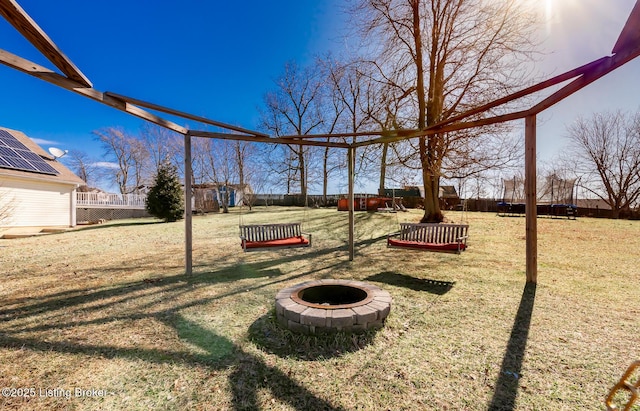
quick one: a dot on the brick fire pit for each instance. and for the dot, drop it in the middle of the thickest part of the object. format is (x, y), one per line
(332, 305)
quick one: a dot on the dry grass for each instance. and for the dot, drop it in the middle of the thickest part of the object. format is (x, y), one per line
(108, 307)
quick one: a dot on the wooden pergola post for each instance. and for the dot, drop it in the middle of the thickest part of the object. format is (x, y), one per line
(531, 199)
(188, 255)
(351, 157)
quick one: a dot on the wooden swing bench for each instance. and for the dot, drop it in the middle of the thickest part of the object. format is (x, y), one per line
(257, 237)
(451, 238)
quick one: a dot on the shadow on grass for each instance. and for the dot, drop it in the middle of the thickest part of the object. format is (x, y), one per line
(250, 372)
(269, 336)
(368, 242)
(506, 391)
(308, 253)
(413, 283)
(170, 287)
(53, 312)
(341, 223)
(162, 298)
(113, 225)
(128, 291)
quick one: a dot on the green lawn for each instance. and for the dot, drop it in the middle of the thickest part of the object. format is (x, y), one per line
(108, 307)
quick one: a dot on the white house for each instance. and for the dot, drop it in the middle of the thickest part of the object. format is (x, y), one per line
(35, 189)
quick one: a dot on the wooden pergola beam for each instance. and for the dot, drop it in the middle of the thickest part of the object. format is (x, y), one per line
(456, 123)
(583, 75)
(630, 35)
(524, 92)
(586, 75)
(182, 114)
(14, 14)
(43, 73)
(338, 135)
(261, 139)
(605, 66)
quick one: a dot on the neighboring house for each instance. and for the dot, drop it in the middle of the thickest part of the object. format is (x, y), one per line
(35, 189)
(216, 191)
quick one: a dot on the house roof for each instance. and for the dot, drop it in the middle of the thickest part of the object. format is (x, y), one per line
(593, 203)
(64, 176)
(448, 192)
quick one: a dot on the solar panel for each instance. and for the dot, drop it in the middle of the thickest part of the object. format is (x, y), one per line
(17, 156)
(9, 140)
(28, 155)
(6, 151)
(42, 167)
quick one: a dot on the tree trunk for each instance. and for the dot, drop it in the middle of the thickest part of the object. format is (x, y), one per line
(615, 213)
(225, 199)
(303, 172)
(430, 179)
(240, 162)
(432, 213)
(383, 168)
(325, 173)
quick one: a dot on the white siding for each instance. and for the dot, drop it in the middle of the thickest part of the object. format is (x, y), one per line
(37, 203)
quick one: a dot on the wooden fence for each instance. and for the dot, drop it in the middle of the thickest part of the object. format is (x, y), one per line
(106, 200)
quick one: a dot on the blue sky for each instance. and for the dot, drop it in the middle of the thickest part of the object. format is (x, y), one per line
(577, 32)
(209, 58)
(218, 58)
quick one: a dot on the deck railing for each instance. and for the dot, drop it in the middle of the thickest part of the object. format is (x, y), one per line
(107, 200)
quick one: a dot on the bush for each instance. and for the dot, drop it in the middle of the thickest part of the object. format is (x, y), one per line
(165, 198)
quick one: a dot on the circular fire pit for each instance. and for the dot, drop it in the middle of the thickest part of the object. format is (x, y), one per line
(332, 305)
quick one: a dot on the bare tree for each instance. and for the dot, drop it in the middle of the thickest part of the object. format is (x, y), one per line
(246, 168)
(386, 102)
(136, 157)
(293, 109)
(83, 166)
(606, 152)
(139, 155)
(162, 145)
(477, 154)
(449, 56)
(333, 107)
(229, 165)
(218, 157)
(116, 147)
(200, 160)
(357, 100)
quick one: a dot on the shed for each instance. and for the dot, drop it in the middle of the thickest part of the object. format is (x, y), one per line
(215, 192)
(35, 189)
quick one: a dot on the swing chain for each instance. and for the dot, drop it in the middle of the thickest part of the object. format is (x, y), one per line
(625, 385)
